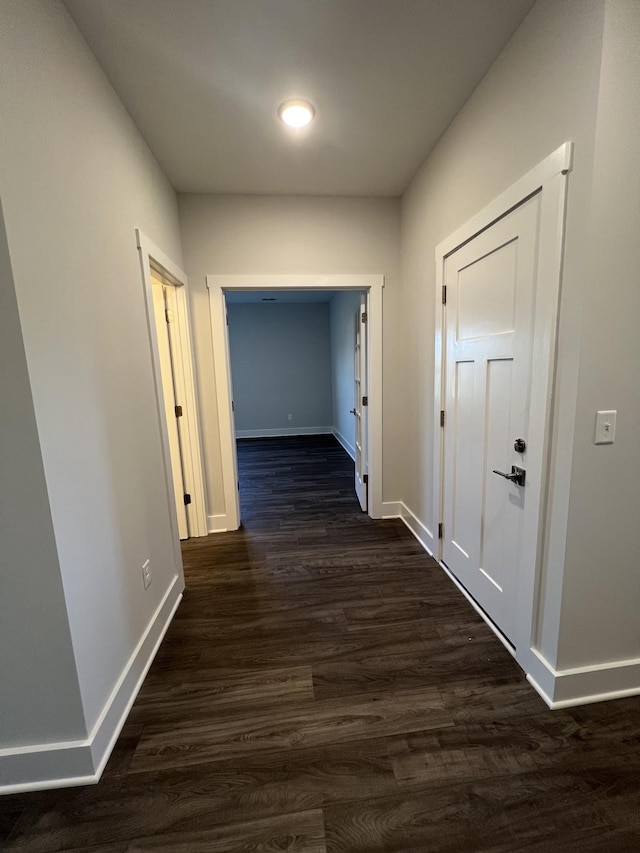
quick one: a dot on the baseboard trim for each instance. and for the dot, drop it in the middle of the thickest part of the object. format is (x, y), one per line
(274, 433)
(422, 533)
(217, 523)
(565, 688)
(81, 762)
(391, 509)
(347, 446)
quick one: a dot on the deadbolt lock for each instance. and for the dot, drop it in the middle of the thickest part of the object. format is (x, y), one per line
(520, 445)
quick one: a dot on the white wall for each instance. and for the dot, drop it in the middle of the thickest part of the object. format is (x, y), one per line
(37, 667)
(280, 234)
(280, 365)
(76, 179)
(343, 309)
(601, 590)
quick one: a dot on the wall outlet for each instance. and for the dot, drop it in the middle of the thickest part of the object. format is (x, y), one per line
(146, 573)
(289, 417)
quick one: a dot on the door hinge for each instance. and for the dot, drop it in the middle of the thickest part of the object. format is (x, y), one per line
(364, 317)
(187, 499)
(178, 411)
(441, 417)
(168, 315)
(227, 318)
(365, 478)
(365, 401)
(233, 406)
(440, 530)
(444, 294)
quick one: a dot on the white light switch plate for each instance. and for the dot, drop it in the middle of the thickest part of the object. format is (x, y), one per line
(606, 427)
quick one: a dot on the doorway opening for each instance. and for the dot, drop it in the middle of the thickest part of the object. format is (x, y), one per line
(226, 293)
(298, 369)
(170, 344)
(499, 283)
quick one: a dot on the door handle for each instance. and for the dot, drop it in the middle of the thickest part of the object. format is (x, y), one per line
(517, 475)
(353, 411)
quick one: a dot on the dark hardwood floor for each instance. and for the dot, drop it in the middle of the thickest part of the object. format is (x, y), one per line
(324, 688)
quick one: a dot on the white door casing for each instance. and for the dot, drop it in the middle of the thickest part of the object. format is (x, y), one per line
(360, 404)
(548, 183)
(154, 259)
(370, 284)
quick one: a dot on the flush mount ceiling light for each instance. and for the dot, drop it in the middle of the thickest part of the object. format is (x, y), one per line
(296, 113)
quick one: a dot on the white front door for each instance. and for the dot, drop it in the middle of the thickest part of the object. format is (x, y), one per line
(361, 403)
(489, 322)
(163, 309)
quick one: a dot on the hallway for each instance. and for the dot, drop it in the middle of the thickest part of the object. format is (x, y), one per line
(324, 688)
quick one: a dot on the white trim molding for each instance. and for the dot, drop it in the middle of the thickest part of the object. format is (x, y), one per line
(422, 533)
(192, 457)
(565, 688)
(67, 764)
(391, 509)
(346, 445)
(217, 523)
(218, 285)
(281, 431)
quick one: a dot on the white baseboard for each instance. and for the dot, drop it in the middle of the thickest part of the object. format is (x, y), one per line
(347, 445)
(391, 509)
(81, 762)
(422, 533)
(217, 523)
(274, 433)
(565, 688)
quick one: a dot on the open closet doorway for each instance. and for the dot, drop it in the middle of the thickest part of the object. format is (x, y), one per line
(225, 292)
(171, 353)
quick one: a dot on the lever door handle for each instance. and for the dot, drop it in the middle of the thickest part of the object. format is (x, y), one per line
(353, 411)
(517, 475)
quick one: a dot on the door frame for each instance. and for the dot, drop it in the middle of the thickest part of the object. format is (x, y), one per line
(549, 179)
(153, 258)
(217, 286)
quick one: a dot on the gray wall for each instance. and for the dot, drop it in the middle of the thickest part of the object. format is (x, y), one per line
(76, 178)
(343, 310)
(37, 667)
(601, 583)
(281, 365)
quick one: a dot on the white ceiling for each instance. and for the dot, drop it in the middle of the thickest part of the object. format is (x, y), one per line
(203, 80)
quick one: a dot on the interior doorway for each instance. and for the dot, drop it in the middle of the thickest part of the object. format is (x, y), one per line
(499, 278)
(370, 470)
(171, 354)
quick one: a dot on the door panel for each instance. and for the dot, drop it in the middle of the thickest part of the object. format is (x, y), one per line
(489, 334)
(360, 410)
(168, 394)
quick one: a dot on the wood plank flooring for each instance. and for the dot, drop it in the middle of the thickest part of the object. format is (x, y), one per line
(324, 688)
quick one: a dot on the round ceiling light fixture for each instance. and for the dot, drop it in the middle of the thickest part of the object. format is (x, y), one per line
(296, 113)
